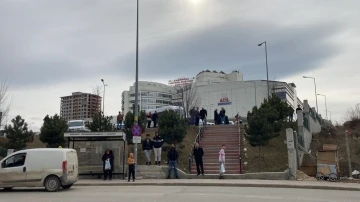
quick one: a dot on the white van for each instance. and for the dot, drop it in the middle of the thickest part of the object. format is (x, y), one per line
(49, 168)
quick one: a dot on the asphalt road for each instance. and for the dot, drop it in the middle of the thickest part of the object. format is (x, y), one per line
(178, 194)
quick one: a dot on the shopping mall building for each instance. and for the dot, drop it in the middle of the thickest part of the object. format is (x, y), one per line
(214, 90)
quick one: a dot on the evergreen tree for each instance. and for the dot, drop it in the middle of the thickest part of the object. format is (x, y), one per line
(172, 127)
(265, 123)
(52, 131)
(18, 134)
(100, 122)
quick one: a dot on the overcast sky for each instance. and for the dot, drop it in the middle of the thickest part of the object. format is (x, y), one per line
(49, 49)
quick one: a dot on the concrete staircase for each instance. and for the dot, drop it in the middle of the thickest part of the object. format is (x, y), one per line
(214, 137)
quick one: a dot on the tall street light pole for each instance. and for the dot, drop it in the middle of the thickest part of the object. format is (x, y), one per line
(102, 80)
(308, 77)
(267, 68)
(325, 104)
(136, 113)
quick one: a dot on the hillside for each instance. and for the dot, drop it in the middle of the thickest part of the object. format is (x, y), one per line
(337, 136)
(272, 158)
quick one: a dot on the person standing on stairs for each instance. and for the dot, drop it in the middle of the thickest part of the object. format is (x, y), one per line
(216, 117)
(157, 144)
(203, 115)
(198, 155)
(222, 115)
(154, 118)
(147, 146)
(222, 162)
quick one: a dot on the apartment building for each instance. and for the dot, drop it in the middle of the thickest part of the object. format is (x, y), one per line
(80, 106)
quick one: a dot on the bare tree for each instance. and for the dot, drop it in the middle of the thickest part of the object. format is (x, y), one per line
(5, 102)
(187, 97)
(98, 90)
(352, 113)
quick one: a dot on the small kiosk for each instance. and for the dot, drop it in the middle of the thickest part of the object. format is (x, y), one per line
(91, 146)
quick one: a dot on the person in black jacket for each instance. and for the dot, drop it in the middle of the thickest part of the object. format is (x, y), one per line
(155, 118)
(216, 117)
(173, 157)
(147, 146)
(198, 155)
(203, 115)
(222, 115)
(107, 157)
(157, 144)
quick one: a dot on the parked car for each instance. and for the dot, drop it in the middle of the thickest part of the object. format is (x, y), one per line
(49, 168)
(77, 126)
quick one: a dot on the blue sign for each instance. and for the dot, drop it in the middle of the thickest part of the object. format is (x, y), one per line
(136, 130)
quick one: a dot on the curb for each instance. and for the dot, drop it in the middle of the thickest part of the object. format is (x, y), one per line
(224, 185)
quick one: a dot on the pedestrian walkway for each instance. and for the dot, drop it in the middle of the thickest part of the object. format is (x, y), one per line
(228, 183)
(214, 138)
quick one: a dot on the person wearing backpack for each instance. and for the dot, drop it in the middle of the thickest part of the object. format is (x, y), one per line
(107, 158)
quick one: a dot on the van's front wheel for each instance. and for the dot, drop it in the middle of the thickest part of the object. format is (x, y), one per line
(8, 188)
(67, 186)
(52, 184)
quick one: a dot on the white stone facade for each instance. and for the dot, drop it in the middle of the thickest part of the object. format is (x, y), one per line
(152, 95)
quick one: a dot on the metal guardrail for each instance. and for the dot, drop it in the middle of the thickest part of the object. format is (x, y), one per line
(198, 138)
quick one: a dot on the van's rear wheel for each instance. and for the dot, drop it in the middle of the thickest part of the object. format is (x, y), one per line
(52, 184)
(67, 186)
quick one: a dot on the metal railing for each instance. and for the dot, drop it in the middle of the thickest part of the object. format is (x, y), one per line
(198, 138)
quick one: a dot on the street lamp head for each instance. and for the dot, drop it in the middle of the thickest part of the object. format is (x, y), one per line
(260, 44)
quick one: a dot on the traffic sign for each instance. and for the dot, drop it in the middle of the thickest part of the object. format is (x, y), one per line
(136, 139)
(136, 130)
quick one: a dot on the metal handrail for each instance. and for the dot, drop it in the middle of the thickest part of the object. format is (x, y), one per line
(198, 138)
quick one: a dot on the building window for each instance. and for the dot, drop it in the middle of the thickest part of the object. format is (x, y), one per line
(281, 95)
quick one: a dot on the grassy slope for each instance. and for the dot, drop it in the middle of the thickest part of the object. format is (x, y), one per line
(273, 157)
(183, 149)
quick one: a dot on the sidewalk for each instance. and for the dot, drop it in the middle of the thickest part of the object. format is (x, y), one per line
(229, 183)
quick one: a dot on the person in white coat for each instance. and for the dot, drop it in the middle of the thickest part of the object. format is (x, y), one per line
(222, 162)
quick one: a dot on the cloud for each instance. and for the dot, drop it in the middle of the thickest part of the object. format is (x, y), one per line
(233, 46)
(50, 49)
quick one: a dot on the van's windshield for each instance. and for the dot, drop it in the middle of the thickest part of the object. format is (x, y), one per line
(76, 123)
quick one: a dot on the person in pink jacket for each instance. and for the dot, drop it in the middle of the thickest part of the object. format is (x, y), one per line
(222, 161)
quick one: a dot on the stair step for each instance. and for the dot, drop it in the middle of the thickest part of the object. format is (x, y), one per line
(209, 161)
(217, 172)
(217, 167)
(212, 149)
